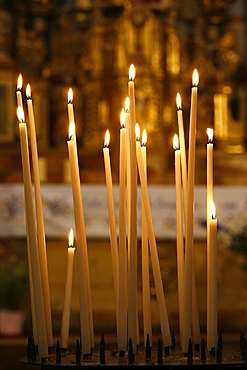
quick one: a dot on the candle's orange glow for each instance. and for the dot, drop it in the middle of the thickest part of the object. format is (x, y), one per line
(19, 82)
(210, 133)
(127, 104)
(132, 72)
(28, 91)
(137, 131)
(212, 210)
(175, 142)
(20, 114)
(195, 78)
(122, 118)
(107, 138)
(70, 95)
(71, 238)
(71, 129)
(178, 101)
(144, 137)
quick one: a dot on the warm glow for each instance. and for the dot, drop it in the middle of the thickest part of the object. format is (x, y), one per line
(107, 138)
(195, 78)
(137, 131)
(28, 91)
(212, 210)
(144, 137)
(210, 133)
(20, 114)
(175, 142)
(122, 118)
(132, 72)
(71, 129)
(19, 82)
(71, 238)
(70, 95)
(179, 101)
(127, 104)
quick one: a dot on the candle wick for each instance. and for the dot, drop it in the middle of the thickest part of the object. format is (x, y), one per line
(69, 101)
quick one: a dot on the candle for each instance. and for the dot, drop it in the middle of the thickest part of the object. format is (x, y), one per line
(31, 231)
(179, 231)
(40, 218)
(86, 320)
(147, 324)
(68, 289)
(212, 325)
(187, 320)
(122, 332)
(18, 91)
(112, 221)
(165, 330)
(70, 106)
(132, 316)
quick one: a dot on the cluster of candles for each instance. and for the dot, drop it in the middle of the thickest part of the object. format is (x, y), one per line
(132, 164)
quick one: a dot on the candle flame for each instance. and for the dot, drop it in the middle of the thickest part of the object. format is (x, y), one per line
(28, 91)
(175, 142)
(19, 82)
(71, 238)
(71, 129)
(122, 118)
(70, 95)
(107, 138)
(132, 72)
(179, 101)
(127, 104)
(137, 131)
(212, 210)
(195, 78)
(210, 133)
(144, 137)
(20, 114)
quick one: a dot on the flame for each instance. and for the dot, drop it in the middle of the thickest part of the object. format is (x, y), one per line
(195, 78)
(132, 72)
(19, 82)
(210, 133)
(144, 137)
(70, 95)
(137, 131)
(175, 142)
(127, 104)
(179, 101)
(107, 138)
(71, 238)
(20, 114)
(122, 118)
(212, 210)
(71, 129)
(28, 91)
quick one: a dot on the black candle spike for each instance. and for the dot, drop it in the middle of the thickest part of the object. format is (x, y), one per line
(148, 347)
(32, 350)
(58, 353)
(220, 341)
(197, 347)
(49, 350)
(78, 353)
(244, 350)
(190, 353)
(102, 350)
(160, 353)
(219, 355)
(173, 340)
(131, 354)
(28, 346)
(102, 341)
(167, 350)
(241, 340)
(212, 351)
(203, 350)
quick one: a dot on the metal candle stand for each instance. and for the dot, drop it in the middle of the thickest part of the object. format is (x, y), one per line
(148, 357)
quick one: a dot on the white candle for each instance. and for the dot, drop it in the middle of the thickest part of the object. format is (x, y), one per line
(212, 326)
(40, 218)
(187, 320)
(18, 91)
(122, 328)
(165, 330)
(147, 323)
(31, 230)
(132, 315)
(86, 320)
(68, 290)
(179, 231)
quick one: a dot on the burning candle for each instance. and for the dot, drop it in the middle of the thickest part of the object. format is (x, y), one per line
(39, 217)
(70, 106)
(32, 241)
(18, 91)
(212, 325)
(68, 290)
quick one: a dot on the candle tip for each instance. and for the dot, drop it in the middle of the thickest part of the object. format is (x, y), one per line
(212, 210)
(137, 131)
(20, 114)
(175, 142)
(179, 101)
(195, 78)
(144, 137)
(210, 133)
(132, 72)
(19, 82)
(71, 238)
(71, 129)
(127, 104)
(28, 91)
(70, 96)
(107, 138)
(122, 118)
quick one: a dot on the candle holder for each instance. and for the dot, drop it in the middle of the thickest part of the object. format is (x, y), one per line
(169, 357)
